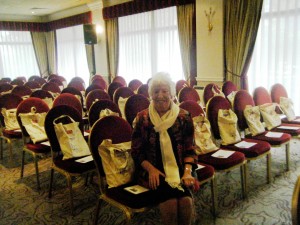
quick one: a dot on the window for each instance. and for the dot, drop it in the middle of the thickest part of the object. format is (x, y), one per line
(276, 57)
(149, 43)
(17, 57)
(71, 54)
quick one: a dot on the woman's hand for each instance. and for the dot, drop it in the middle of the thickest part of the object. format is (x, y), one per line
(187, 179)
(154, 174)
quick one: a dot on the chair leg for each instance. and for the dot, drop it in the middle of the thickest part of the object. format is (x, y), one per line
(69, 181)
(51, 181)
(22, 163)
(269, 175)
(287, 153)
(97, 212)
(37, 171)
(10, 149)
(1, 148)
(244, 174)
(214, 196)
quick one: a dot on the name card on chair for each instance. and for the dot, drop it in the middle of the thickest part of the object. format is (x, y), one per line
(245, 144)
(222, 153)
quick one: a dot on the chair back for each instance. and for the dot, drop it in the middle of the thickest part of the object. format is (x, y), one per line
(188, 93)
(261, 96)
(26, 107)
(124, 92)
(134, 84)
(120, 79)
(78, 79)
(100, 82)
(111, 127)
(213, 106)
(52, 76)
(51, 87)
(192, 107)
(73, 91)
(228, 87)
(58, 82)
(38, 79)
(5, 87)
(22, 91)
(91, 88)
(112, 87)
(17, 82)
(70, 100)
(96, 95)
(6, 79)
(95, 109)
(77, 84)
(32, 85)
(241, 100)
(54, 113)
(8, 101)
(135, 104)
(277, 91)
(42, 94)
(31, 78)
(181, 84)
(296, 203)
(143, 90)
(96, 76)
(210, 90)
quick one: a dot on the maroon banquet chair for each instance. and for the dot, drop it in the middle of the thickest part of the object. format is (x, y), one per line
(78, 79)
(118, 130)
(188, 93)
(35, 149)
(112, 87)
(42, 94)
(38, 79)
(77, 84)
(33, 85)
(32, 77)
(17, 82)
(75, 92)
(124, 92)
(91, 88)
(68, 167)
(228, 87)
(98, 106)
(192, 107)
(5, 88)
(70, 100)
(143, 90)
(120, 79)
(9, 101)
(210, 90)
(96, 95)
(181, 84)
(100, 82)
(135, 104)
(134, 84)
(58, 82)
(22, 91)
(52, 87)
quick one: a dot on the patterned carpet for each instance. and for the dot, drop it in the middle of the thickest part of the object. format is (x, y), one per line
(21, 203)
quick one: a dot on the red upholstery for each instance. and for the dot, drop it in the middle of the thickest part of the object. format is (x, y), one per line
(70, 100)
(32, 84)
(21, 91)
(94, 95)
(91, 88)
(208, 92)
(73, 91)
(96, 76)
(213, 106)
(100, 82)
(6, 79)
(31, 78)
(52, 76)
(261, 96)
(51, 87)
(77, 85)
(78, 79)
(17, 82)
(135, 104)
(277, 91)
(57, 81)
(9, 101)
(112, 87)
(4, 87)
(123, 92)
(41, 94)
(205, 173)
(97, 106)
(143, 90)
(180, 84)
(38, 79)
(188, 93)
(134, 84)
(120, 79)
(228, 87)
(192, 107)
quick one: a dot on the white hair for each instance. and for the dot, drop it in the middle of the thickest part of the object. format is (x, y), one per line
(162, 78)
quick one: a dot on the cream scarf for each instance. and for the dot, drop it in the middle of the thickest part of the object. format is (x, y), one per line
(161, 125)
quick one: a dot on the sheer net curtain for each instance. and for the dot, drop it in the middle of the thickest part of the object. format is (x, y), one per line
(276, 57)
(71, 54)
(149, 43)
(17, 57)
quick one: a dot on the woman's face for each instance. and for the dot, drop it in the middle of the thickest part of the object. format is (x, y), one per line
(162, 98)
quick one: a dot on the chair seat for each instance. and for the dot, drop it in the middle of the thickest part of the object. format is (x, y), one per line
(222, 163)
(285, 120)
(256, 150)
(12, 133)
(133, 201)
(71, 166)
(204, 173)
(38, 148)
(288, 131)
(272, 140)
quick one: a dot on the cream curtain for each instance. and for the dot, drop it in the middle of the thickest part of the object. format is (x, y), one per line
(185, 22)
(112, 44)
(89, 49)
(51, 52)
(241, 21)
(40, 49)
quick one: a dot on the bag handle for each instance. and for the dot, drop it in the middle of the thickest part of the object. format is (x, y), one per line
(62, 116)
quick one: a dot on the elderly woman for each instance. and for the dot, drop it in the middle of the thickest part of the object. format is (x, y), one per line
(162, 148)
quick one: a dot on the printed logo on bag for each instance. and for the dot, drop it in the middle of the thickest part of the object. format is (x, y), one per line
(69, 132)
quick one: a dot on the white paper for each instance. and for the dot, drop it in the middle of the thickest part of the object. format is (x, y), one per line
(85, 134)
(85, 159)
(17, 130)
(47, 143)
(245, 144)
(297, 120)
(199, 167)
(222, 153)
(274, 134)
(288, 127)
(136, 189)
